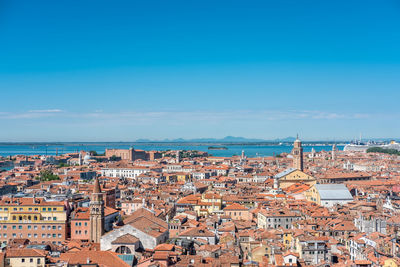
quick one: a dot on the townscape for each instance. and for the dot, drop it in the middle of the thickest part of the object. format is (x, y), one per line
(130, 207)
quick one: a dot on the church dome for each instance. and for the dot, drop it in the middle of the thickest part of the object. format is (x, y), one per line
(86, 158)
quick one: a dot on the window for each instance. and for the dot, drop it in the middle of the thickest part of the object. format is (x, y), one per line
(43, 227)
(19, 226)
(22, 260)
(5, 227)
(38, 261)
(29, 227)
(30, 260)
(35, 227)
(54, 227)
(14, 227)
(54, 218)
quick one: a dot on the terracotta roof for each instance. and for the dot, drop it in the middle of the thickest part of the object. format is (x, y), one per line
(26, 252)
(235, 206)
(102, 258)
(125, 239)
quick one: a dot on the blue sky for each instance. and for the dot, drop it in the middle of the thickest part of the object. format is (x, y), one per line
(123, 70)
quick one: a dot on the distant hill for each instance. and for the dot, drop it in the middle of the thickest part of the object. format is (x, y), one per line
(227, 139)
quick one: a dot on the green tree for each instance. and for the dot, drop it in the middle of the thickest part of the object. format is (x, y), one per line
(383, 150)
(62, 164)
(47, 175)
(114, 158)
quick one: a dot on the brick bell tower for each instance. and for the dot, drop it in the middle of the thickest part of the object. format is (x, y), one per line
(297, 153)
(96, 213)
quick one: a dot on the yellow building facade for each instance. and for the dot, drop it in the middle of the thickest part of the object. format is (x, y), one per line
(292, 176)
(33, 219)
(209, 203)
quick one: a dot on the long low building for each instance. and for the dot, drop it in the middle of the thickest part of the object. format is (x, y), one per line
(338, 178)
(131, 172)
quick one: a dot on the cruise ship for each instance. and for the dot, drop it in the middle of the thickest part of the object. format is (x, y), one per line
(359, 146)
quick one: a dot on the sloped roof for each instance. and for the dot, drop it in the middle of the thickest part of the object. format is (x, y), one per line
(125, 239)
(284, 173)
(102, 258)
(333, 192)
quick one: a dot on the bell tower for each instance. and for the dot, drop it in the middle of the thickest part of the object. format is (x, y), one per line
(297, 153)
(96, 213)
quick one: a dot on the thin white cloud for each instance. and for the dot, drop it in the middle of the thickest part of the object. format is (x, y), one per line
(45, 111)
(179, 117)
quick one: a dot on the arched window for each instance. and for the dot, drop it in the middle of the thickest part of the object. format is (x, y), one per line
(14, 218)
(123, 250)
(35, 218)
(29, 217)
(20, 218)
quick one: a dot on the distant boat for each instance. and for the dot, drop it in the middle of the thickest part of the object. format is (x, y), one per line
(217, 148)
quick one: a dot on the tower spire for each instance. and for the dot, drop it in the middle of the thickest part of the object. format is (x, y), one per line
(96, 213)
(96, 188)
(297, 153)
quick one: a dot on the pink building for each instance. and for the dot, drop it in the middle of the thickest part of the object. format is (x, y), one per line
(237, 212)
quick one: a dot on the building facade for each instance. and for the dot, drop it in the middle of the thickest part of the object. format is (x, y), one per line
(33, 219)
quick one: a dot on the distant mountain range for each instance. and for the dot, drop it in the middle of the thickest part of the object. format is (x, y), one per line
(227, 139)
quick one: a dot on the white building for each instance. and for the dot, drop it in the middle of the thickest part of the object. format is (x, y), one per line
(332, 194)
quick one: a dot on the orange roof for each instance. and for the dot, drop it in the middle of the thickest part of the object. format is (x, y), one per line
(235, 206)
